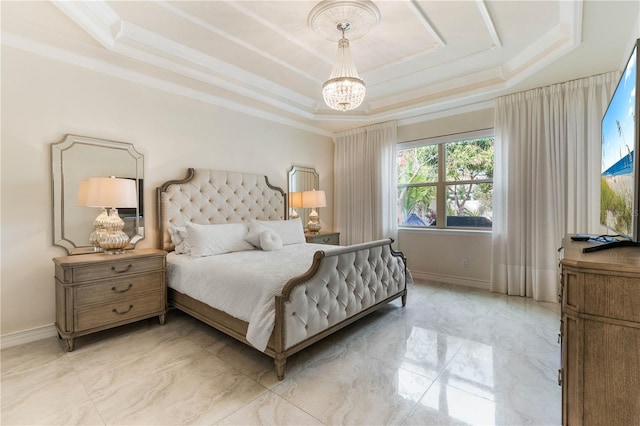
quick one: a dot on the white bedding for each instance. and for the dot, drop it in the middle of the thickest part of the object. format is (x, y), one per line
(243, 284)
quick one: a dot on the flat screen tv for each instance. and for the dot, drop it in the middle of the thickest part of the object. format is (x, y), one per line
(619, 173)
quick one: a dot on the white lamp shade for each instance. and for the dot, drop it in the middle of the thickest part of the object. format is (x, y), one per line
(295, 200)
(111, 192)
(314, 199)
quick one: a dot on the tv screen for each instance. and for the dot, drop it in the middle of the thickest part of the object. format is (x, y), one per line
(619, 171)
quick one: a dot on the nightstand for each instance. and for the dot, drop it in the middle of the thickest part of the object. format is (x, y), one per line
(98, 291)
(323, 238)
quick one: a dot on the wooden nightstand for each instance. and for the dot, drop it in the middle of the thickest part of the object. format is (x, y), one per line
(95, 292)
(323, 238)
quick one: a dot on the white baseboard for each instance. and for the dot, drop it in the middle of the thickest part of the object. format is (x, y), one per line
(27, 336)
(447, 279)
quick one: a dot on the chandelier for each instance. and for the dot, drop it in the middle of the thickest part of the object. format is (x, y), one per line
(344, 90)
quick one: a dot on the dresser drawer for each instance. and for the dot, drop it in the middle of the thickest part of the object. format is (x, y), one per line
(116, 312)
(117, 268)
(118, 290)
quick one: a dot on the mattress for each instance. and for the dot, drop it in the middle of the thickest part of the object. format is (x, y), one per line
(242, 284)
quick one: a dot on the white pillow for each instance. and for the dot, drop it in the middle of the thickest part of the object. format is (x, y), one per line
(178, 235)
(289, 231)
(270, 241)
(209, 240)
(263, 237)
(255, 229)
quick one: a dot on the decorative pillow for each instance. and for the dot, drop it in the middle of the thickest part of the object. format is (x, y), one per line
(270, 241)
(209, 240)
(255, 230)
(178, 235)
(289, 231)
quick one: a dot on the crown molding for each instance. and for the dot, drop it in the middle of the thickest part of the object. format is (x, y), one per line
(69, 58)
(168, 54)
(265, 99)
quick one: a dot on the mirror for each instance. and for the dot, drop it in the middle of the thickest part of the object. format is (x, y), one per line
(302, 179)
(77, 158)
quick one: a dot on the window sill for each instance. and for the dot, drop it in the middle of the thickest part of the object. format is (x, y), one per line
(447, 231)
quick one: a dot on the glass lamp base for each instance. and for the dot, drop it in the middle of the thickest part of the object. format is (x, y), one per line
(314, 222)
(113, 240)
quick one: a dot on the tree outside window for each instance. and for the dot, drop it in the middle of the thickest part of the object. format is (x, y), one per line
(452, 180)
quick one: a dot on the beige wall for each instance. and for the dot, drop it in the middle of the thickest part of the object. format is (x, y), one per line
(439, 254)
(42, 100)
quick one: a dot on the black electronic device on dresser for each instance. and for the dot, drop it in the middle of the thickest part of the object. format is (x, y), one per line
(619, 166)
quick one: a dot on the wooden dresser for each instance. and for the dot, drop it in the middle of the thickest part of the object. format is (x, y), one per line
(99, 291)
(332, 238)
(600, 335)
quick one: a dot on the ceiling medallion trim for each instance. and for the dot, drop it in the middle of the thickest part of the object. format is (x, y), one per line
(362, 15)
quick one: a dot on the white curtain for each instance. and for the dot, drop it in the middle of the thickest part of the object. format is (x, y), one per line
(546, 180)
(365, 183)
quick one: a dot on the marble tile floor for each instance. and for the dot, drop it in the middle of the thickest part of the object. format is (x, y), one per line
(452, 356)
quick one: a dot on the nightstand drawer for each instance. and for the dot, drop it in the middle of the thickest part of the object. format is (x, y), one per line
(97, 291)
(332, 238)
(118, 290)
(116, 312)
(117, 268)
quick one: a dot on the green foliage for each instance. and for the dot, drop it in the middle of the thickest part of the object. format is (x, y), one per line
(419, 200)
(418, 165)
(465, 161)
(470, 160)
(613, 206)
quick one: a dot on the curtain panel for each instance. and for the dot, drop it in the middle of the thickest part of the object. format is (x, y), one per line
(546, 180)
(365, 183)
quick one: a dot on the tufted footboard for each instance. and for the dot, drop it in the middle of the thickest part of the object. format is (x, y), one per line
(341, 286)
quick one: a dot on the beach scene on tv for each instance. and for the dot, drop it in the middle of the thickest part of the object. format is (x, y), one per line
(618, 151)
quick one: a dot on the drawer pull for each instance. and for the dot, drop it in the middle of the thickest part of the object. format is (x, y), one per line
(115, 311)
(122, 291)
(560, 377)
(113, 268)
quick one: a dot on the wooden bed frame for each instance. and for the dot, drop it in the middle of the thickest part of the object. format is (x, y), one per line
(349, 282)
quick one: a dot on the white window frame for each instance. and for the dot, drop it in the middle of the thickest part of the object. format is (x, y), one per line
(441, 184)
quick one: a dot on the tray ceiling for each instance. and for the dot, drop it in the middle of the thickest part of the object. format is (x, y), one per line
(425, 58)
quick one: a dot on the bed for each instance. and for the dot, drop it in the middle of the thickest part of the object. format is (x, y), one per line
(316, 290)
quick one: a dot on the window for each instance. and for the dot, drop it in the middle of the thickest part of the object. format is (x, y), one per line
(449, 177)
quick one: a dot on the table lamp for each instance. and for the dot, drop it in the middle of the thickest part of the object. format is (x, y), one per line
(111, 192)
(295, 202)
(314, 199)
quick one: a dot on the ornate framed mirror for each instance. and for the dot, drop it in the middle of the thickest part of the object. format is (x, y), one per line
(302, 179)
(77, 158)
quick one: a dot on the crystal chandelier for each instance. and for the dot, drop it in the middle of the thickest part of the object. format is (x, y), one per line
(345, 89)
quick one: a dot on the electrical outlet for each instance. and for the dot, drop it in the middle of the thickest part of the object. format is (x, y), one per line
(465, 263)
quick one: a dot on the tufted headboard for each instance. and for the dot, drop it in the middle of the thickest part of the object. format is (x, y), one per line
(212, 196)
